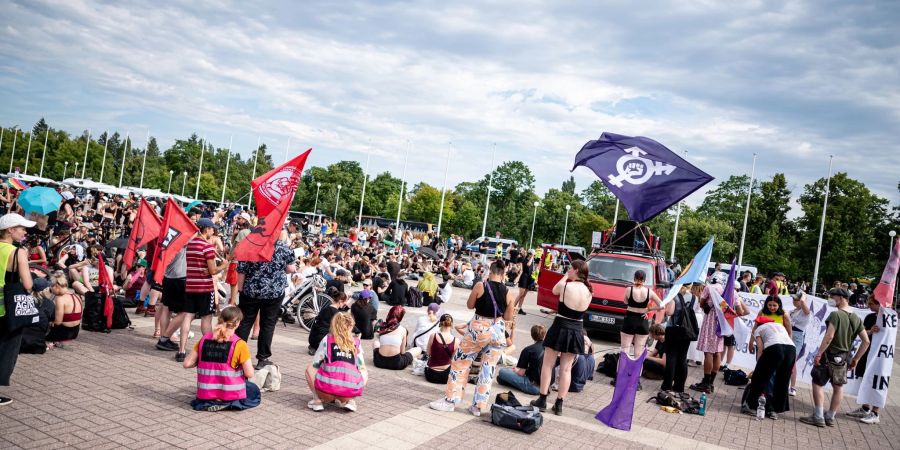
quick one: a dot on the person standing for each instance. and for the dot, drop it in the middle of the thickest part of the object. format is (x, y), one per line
(833, 358)
(525, 280)
(799, 320)
(565, 338)
(775, 359)
(636, 328)
(261, 286)
(868, 414)
(677, 341)
(12, 230)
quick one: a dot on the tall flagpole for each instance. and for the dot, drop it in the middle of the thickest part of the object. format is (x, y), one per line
(86, 145)
(822, 227)
(616, 215)
(362, 198)
(287, 149)
(103, 163)
(677, 219)
(199, 169)
(487, 201)
(255, 159)
(124, 157)
(28, 152)
(1, 138)
(402, 190)
(13, 155)
(227, 163)
(46, 135)
(747, 212)
(444, 191)
(144, 164)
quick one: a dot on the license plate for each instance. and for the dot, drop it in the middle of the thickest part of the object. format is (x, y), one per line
(602, 319)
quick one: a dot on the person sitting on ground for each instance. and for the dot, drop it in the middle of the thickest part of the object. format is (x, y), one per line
(322, 324)
(467, 278)
(440, 349)
(526, 377)
(364, 313)
(396, 292)
(446, 289)
(69, 307)
(223, 365)
(655, 363)
(426, 326)
(338, 372)
(392, 338)
(341, 277)
(428, 287)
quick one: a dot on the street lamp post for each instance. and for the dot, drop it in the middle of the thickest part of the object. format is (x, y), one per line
(169, 186)
(183, 182)
(75, 174)
(533, 220)
(65, 169)
(892, 233)
(337, 201)
(316, 204)
(566, 228)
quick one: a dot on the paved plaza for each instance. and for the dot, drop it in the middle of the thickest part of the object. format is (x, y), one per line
(116, 390)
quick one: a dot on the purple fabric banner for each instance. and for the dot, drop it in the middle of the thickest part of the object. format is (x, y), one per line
(619, 412)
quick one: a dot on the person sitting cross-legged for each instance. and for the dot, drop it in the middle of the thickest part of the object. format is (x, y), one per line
(526, 377)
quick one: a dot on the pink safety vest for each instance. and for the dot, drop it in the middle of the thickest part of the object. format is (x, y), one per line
(338, 374)
(216, 379)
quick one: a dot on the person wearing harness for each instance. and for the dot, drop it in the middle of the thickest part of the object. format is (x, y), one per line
(441, 346)
(484, 338)
(565, 338)
(69, 307)
(635, 328)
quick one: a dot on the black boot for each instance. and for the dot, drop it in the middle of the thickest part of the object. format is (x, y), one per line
(557, 407)
(541, 402)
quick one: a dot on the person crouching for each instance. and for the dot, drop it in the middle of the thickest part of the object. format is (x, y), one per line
(338, 371)
(224, 368)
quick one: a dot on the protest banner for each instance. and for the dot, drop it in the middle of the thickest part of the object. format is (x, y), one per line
(873, 385)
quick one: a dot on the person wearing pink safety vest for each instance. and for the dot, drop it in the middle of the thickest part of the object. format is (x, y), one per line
(224, 368)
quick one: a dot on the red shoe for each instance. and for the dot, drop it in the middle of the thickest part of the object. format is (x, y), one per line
(140, 309)
(151, 311)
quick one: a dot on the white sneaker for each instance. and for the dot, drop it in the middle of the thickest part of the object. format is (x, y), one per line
(349, 406)
(792, 392)
(442, 405)
(315, 405)
(871, 418)
(859, 413)
(475, 410)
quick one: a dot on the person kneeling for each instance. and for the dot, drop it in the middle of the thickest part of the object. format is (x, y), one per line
(223, 367)
(392, 339)
(338, 372)
(526, 377)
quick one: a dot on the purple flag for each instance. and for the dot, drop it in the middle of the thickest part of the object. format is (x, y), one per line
(728, 295)
(645, 175)
(619, 412)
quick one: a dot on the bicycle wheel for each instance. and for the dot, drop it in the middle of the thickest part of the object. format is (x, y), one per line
(306, 311)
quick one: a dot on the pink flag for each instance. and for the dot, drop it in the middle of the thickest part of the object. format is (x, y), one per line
(884, 292)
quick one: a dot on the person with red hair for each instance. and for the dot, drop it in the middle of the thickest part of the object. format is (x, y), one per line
(392, 340)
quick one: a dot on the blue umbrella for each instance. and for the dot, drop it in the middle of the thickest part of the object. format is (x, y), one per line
(40, 199)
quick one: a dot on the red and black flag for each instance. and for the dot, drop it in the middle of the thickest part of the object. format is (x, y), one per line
(278, 184)
(174, 233)
(146, 228)
(106, 290)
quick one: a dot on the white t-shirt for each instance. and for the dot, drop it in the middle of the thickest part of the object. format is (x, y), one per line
(309, 271)
(446, 292)
(468, 276)
(426, 328)
(773, 334)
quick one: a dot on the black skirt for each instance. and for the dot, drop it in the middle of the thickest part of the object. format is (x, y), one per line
(635, 323)
(565, 336)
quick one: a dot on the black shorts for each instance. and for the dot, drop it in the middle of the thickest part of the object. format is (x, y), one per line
(525, 281)
(396, 362)
(635, 323)
(730, 341)
(199, 303)
(173, 293)
(153, 285)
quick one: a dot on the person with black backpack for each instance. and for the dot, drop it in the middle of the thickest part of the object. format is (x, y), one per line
(681, 330)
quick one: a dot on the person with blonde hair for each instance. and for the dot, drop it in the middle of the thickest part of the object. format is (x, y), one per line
(428, 286)
(224, 368)
(69, 307)
(338, 372)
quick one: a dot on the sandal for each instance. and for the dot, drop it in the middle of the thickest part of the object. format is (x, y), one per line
(157, 333)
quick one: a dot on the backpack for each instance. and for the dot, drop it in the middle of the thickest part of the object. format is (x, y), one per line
(413, 297)
(735, 377)
(34, 336)
(521, 418)
(610, 365)
(120, 319)
(92, 318)
(684, 327)
(681, 401)
(268, 378)
(506, 399)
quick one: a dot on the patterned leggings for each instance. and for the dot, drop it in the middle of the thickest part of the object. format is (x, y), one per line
(485, 338)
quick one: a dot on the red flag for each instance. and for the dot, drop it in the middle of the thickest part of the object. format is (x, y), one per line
(884, 291)
(145, 229)
(106, 290)
(259, 245)
(174, 233)
(280, 183)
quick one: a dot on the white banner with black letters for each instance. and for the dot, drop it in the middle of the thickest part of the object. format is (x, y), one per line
(873, 386)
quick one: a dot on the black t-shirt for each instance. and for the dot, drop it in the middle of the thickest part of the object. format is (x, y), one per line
(531, 359)
(322, 324)
(377, 283)
(363, 316)
(484, 307)
(660, 348)
(514, 256)
(397, 292)
(335, 283)
(870, 320)
(393, 268)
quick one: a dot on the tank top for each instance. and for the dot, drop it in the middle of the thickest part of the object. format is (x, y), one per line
(565, 311)
(74, 316)
(5, 250)
(633, 304)
(775, 318)
(484, 307)
(440, 353)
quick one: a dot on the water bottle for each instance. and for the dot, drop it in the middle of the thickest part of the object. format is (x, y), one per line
(761, 408)
(702, 411)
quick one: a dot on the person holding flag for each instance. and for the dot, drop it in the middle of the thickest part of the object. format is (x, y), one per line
(170, 270)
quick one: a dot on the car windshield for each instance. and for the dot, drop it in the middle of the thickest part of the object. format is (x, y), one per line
(618, 269)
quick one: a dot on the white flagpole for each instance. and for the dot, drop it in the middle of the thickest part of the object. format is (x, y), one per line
(46, 135)
(124, 157)
(822, 228)
(13, 155)
(487, 201)
(444, 190)
(227, 163)
(28, 152)
(1, 138)
(616, 215)
(747, 212)
(86, 144)
(362, 198)
(287, 148)
(199, 169)
(255, 159)
(402, 190)
(103, 163)
(677, 219)
(144, 164)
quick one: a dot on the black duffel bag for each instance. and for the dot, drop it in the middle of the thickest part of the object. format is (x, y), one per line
(521, 418)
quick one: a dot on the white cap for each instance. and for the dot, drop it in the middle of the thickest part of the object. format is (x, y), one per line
(245, 216)
(14, 220)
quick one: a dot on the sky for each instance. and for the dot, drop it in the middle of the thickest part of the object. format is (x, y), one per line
(793, 81)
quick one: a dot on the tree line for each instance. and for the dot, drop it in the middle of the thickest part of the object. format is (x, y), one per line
(855, 243)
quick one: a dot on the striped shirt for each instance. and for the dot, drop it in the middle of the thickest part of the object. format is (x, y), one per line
(198, 252)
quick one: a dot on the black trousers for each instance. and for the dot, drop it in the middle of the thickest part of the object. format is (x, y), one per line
(777, 360)
(676, 370)
(267, 309)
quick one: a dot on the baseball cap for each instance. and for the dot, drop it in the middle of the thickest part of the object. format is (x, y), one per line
(205, 223)
(366, 294)
(14, 220)
(834, 292)
(245, 216)
(40, 284)
(367, 282)
(434, 307)
(142, 262)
